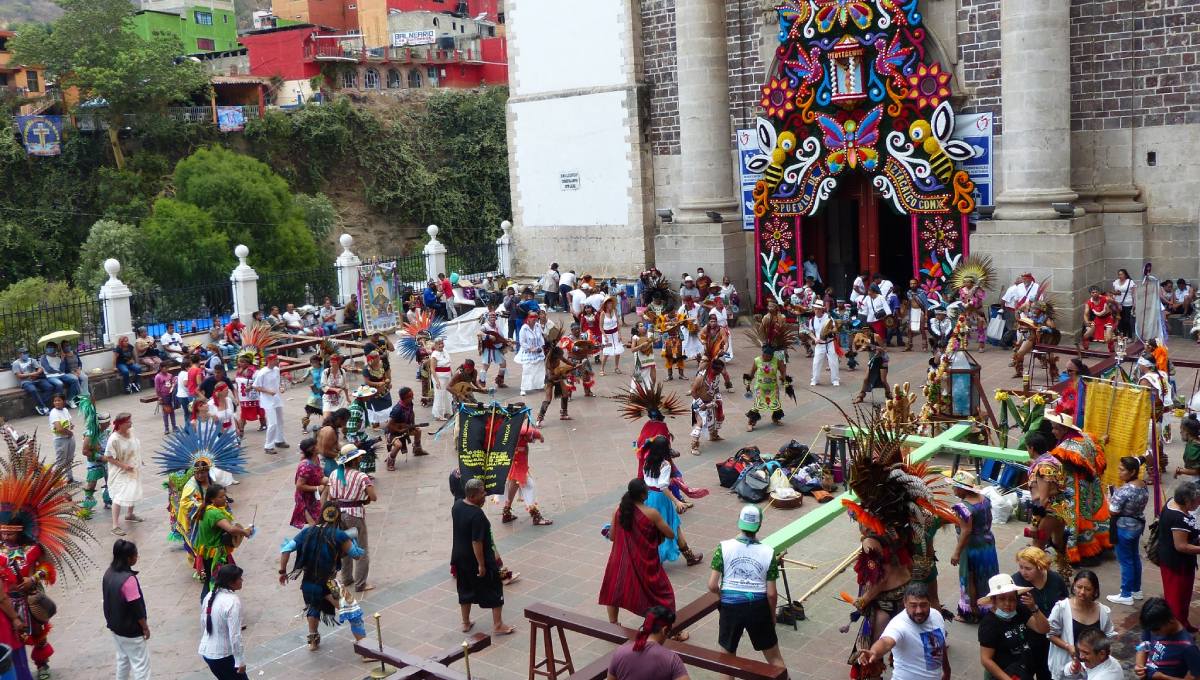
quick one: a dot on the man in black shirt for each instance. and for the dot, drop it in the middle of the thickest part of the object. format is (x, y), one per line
(218, 376)
(125, 612)
(474, 560)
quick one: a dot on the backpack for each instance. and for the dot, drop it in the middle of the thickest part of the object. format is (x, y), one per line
(752, 486)
(732, 468)
(794, 455)
(1152, 543)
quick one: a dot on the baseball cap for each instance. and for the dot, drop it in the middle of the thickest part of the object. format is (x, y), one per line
(750, 518)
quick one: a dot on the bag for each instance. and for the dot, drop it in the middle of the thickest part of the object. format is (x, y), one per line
(778, 480)
(41, 607)
(794, 455)
(1002, 504)
(995, 328)
(752, 486)
(732, 468)
(1152, 543)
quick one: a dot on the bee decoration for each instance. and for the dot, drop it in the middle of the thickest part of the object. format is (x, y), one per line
(773, 151)
(934, 137)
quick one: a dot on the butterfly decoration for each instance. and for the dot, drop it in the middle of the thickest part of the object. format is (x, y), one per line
(843, 12)
(853, 142)
(792, 15)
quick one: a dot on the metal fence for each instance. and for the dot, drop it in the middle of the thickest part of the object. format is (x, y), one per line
(300, 287)
(25, 326)
(191, 309)
(473, 260)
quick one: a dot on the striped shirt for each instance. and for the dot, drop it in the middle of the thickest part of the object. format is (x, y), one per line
(354, 488)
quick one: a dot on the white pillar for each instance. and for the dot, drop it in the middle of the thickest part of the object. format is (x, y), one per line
(114, 296)
(347, 268)
(435, 255)
(245, 286)
(1035, 58)
(504, 249)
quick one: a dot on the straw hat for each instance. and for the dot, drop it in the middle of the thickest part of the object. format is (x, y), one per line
(1062, 419)
(1001, 584)
(350, 452)
(966, 480)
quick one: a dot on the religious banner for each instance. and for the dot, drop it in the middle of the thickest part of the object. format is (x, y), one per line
(777, 251)
(487, 441)
(1118, 417)
(231, 118)
(377, 296)
(42, 135)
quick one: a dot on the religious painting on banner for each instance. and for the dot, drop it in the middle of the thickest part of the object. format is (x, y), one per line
(487, 442)
(855, 93)
(378, 304)
(42, 135)
(231, 119)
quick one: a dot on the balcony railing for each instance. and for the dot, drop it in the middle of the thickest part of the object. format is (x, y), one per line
(191, 114)
(333, 51)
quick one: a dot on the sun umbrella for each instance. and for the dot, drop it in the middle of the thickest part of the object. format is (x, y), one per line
(58, 336)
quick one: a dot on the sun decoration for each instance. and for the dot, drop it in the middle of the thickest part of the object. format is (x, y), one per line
(929, 86)
(777, 233)
(778, 98)
(938, 234)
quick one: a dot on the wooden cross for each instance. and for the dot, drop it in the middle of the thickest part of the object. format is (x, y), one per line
(413, 667)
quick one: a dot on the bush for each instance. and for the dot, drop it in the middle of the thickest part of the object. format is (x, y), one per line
(108, 238)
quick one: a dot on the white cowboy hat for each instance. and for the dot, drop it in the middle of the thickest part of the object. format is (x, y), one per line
(966, 480)
(1062, 419)
(1001, 584)
(350, 452)
(818, 303)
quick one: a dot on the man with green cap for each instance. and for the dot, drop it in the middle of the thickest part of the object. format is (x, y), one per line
(743, 574)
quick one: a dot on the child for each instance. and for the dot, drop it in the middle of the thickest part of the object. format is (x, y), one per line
(182, 397)
(312, 407)
(673, 353)
(645, 371)
(164, 389)
(64, 434)
(975, 553)
(1166, 650)
(1128, 506)
(1190, 427)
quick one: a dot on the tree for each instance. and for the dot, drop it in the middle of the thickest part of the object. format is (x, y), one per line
(183, 246)
(250, 204)
(94, 48)
(109, 238)
(319, 214)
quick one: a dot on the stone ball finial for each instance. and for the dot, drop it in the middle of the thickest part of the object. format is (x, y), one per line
(112, 267)
(505, 226)
(242, 252)
(346, 240)
(432, 230)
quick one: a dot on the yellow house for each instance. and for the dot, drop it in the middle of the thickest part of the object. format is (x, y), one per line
(18, 81)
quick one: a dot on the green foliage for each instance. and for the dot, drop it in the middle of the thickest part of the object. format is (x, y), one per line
(109, 238)
(183, 246)
(319, 214)
(93, 47)
(36, 291)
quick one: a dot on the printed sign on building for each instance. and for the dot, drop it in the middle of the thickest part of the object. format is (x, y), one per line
(42, 135)
(747, 148)
(976, 129)
(569, 181)
(231, 119)
(405, 38)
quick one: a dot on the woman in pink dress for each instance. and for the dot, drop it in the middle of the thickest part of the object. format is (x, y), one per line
(309, 481)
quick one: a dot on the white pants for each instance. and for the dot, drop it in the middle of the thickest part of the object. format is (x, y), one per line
(274, 416)
(441, 395)
(533, 376)
(820, 354)
(133, 658)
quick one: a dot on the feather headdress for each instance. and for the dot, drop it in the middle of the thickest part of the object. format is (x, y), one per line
(35, 500)
(206, 443)
(779, 336)
(891, 491)
(978, 268)
(256, 338)
(640, 401)
(426, 327)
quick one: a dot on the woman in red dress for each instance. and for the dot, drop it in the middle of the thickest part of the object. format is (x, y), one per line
(310, 482)
(1099, 318)
(634, 579)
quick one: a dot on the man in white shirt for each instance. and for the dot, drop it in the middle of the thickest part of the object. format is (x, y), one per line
(576, 298)
(811, 270)
(823, 348)
(1095, 659)
(292, 320)
(1029, 291)
(172, 343)
(550, 285)
(531, 354)
(858, 291)
(266, 383)
(916, 637)
(596, 299)
(885, 286)
(876, 310)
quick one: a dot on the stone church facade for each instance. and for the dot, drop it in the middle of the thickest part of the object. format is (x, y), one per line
(623, 120)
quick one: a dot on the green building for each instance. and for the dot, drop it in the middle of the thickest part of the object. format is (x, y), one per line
(201, 28)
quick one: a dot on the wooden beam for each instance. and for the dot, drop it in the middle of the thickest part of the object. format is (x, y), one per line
(416, 667)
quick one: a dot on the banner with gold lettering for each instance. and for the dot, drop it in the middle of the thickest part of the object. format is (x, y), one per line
(487, 441)
(42, 135)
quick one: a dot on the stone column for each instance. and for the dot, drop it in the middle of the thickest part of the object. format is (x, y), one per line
(245, 286)
(504, 249)
(114, 296)
(1035, 53)
(347, 267)
(706, 230)
(435, 255)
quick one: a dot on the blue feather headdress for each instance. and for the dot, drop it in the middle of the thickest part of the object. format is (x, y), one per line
(206, 442)
(426, 327)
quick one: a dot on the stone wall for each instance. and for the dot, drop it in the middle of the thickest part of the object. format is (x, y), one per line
(979, 57)
(659, 75)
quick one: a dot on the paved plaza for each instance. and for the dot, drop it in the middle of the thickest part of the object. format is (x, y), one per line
(580, 471)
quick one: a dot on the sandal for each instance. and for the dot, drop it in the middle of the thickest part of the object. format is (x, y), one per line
(507, 515)
(681, 636)
(539, 520)
(564, 416)
(118, 531)
(507, 630)
(859, 399)
(314, 641)
(690, 557)
(420, 452)
(467, 626)
(133, 518)
(391, 464)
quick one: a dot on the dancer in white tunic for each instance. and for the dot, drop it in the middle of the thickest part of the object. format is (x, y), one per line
(689, 313)
(610, 335)
(123, 454)
(823, 331)
(531, 355)
(440, 364)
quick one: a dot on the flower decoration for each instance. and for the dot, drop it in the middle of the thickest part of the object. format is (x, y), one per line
(929, 85)
(777, 233)
(786, 264)
(1001, 395)
(938, 234)
(1038, 400)
(787, 282)
(932, 268)
(778, 98)
(932, 288)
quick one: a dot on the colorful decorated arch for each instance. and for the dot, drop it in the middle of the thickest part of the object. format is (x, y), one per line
(853, 94)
